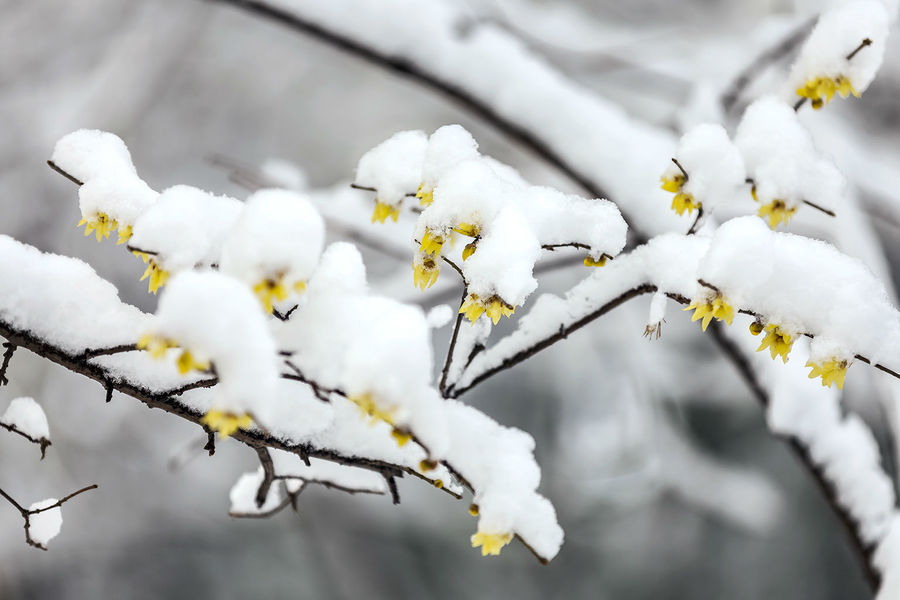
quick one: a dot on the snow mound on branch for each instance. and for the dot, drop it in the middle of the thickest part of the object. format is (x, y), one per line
(27, 416)
(804, 286)
(218, 319)
(394, 167)
(62, 300)
(46, 525)
(324, 472)
(782, 159)
(186, 227)
(243, 495)
(278, 235)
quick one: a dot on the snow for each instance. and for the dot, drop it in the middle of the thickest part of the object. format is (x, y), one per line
(243, 495)
(44, 526)
(185, 227)
(277, 237)
(90, 154)
(62, 300)
(216, 318)
(804, 286)
(27, 416)
(782, 160)
(887, 560)
(328, 473)
(394, 167)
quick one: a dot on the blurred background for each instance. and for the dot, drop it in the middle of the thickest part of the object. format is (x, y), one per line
(666, 480)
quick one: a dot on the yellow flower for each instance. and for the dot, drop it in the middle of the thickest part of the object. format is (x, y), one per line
(469, 250)
(425, 273)
(431, 244)
(100, 225)
(187, 363)
(226, 423)
(497, 308)
(821, 90)
(157, 275)
(590, 261)
(777, 211)
(401, 436)
(124, 234)
(269, 291)
(777, 341)
(141, 255)
(155, 345)
(672, 184)
(426, 197)
(368, 407)
(684, 202)
(491, 543)
(472, 308)
(383, 211)
(831, 371)
(715, 307)
(468, 229)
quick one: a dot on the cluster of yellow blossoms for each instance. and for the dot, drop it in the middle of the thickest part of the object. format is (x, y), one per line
(102, 226)
(711, 307)
(821, 90)
(682, 201)
(367, 406)
(495, 308)
(777, 340)
(156, 274)
(426, 197)
(775, 211)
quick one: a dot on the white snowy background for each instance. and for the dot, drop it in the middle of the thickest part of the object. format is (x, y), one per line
(665, 477)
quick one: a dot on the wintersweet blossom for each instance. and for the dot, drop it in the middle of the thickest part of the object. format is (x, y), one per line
(155, 345)
(156, 274)
(431, 242)
(820, 90)
(425, 271)
(188, 362)
(226, 423)
(682, 201)
(383, 211)
(275, 289)
(425, 196)
(401, 436)
(711, 307)
(491, 543)
(590, 261)
(777, 340)
(367, 406)
(777, 212)
(101, 226)
(832, 371)
(495, 308)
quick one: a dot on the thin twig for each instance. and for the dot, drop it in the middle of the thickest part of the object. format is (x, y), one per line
(42, 441)
(265, 460)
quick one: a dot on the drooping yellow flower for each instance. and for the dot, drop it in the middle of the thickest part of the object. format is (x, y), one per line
(831, 371)
(141, 255)
(778, 341)
(497, 308)
(100, 225)
(468, 229)
(124, 234)
(425, 273)
(820, 90)
(426, 197)
(711, 307)
(401, 436)
(777, 212)
(491, 543)
(157, 275)
(682, 201)
(226, 423)
(270, 291)
(469, 250)
(187, 362)
(590, 261)
(431, 243)
(383, 211)
(472, 308)
(672, 184)
(367, 406)
(155, 345)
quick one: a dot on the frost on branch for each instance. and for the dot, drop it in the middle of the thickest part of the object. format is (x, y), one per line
(25, 417)
(843, 53)
(783, 165)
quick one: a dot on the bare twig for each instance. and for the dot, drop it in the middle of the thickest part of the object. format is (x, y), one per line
(28, 513)
(7, 356)
(43, 442)
(265, 460)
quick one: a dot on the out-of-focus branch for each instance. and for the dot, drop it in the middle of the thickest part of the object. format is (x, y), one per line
(28, 513)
